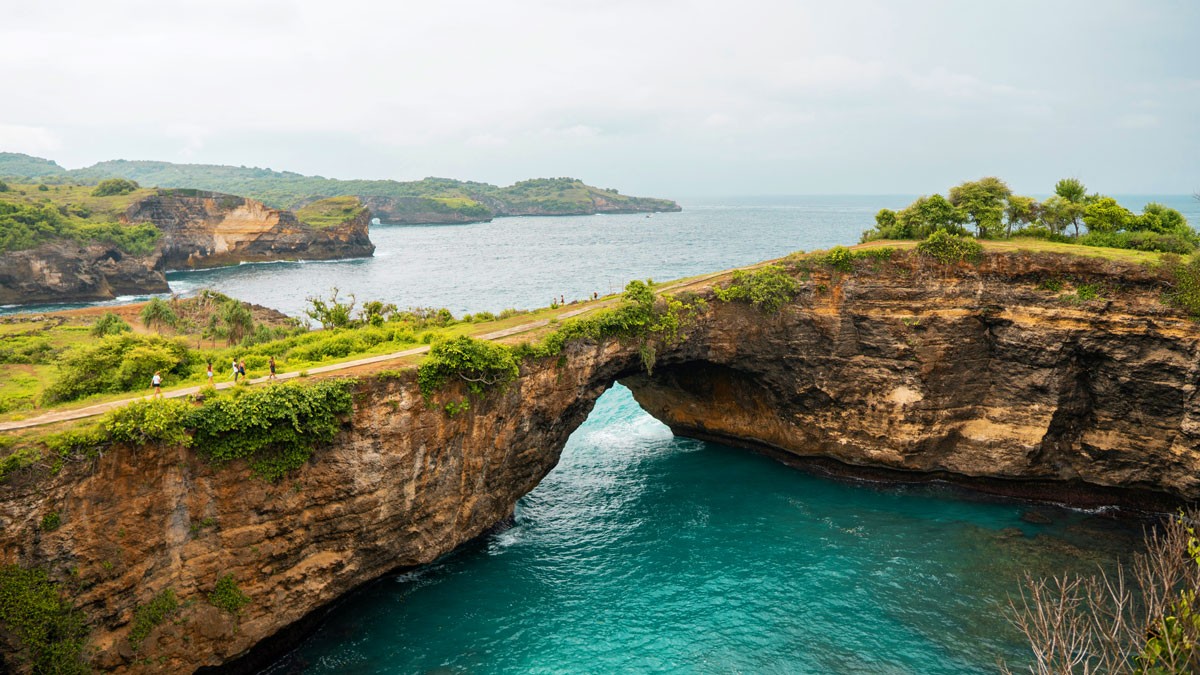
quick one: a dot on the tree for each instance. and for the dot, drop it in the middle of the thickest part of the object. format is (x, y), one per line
(158, 312)
(1058, 213)
(928, 215)
(238, 319)
(109, 324)
(114, 186)
(982, 203)
(375, 312)
(331, 313)
(1162, 219)
(1072, 191)
(1104, 214)
(1022, 211)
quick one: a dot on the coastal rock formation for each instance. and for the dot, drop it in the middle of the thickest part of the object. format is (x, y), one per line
(208, 229)
(969, 372)
(66, 270)
(199, 229)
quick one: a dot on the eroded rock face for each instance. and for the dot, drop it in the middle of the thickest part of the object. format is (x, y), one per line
(65, 270)
(199, 229)
(208, 229)
(972, 372)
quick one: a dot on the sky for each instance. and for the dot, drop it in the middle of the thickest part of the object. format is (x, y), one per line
(652, 97)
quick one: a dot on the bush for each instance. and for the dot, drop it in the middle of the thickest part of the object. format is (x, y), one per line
(273, 428)
(153, 613)
(1186, 294)
(767, 288)
(25, 349)
(1141, 241)
(51, 634)
(479, 363)
(122, 362)
(227, 596)
(159, 311)
(110, 324)
(157, 420)
(114, 186)
(947, 248)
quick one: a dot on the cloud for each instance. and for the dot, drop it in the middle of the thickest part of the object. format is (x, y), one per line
(27, 139)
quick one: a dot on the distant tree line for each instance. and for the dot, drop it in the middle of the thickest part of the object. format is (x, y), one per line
(988, 209)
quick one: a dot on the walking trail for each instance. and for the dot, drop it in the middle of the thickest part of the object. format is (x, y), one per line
(100, 408)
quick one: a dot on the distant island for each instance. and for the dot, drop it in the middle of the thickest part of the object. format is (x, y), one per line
(428, 201)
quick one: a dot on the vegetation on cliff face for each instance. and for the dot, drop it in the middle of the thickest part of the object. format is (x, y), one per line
(989, 208)
(464, 200)
(50, 633)
(767, 288)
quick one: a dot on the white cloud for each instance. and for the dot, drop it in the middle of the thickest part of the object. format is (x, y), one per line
(27, 139)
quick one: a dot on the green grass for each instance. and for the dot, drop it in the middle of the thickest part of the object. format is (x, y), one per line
(330, 212)
(102, 209)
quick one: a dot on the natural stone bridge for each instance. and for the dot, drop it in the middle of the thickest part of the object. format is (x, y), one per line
(974, 374)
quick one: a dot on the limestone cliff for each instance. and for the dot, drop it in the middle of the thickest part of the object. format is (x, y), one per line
(969, 372)
(198, 229)
(65, 270)
(207, 229)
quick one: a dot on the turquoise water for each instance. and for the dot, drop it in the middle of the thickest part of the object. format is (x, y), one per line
(642, 552)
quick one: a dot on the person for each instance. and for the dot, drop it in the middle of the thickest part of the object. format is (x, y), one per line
(209, 373)
(271, 363)
(562, 300)
(235, 371)
(595, 295)
(156, 381)
(242, 369)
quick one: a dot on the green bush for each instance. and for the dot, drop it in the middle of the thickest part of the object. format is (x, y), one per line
(227, 596)
(1141, 241)
(114, 186)
(25, 349)
(116, 363)
(50, 633)
(947, 248)
(768, 288)
(156, 420)
(159, 312)
(1186, 294)
(153, 613)
(51, 521)
(110, 324)
(274, 428)
(478, 363)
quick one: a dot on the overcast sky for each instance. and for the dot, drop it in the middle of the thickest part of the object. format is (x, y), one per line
(661, 98)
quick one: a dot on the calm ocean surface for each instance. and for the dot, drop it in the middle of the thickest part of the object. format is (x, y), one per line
(642, 552)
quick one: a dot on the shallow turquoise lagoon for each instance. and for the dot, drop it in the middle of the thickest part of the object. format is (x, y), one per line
(642, 552)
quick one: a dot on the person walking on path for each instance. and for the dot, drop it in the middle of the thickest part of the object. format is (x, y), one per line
(209, 373)
(236, 371)
(156, 382)
(242, 369)
(271, 363)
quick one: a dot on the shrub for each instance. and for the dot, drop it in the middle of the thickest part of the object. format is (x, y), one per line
(110, 324)
(159, 312)
(50, 632)
(767, 288)
(273, 428)
(25, 349)
(121, 362)
(479, 363)
(227, 596)
(947, 248)
(153, 613)
(1141, 241)
(1186, 294)
(114, 186)
(156, 420)
(51, 521)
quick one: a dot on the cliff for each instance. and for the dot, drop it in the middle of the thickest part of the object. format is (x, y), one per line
(194, 229)
(208, 229)
(970, 372)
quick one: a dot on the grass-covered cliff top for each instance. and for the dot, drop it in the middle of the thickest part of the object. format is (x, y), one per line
(285, 189)
(330, 212)
(34, 213)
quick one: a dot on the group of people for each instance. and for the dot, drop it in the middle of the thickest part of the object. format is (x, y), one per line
(239, 372)
(561, 301)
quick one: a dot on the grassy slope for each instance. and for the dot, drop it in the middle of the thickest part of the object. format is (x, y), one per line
(330, 212)
(103, 209)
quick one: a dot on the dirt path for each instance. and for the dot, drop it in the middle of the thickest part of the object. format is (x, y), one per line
(101, 408)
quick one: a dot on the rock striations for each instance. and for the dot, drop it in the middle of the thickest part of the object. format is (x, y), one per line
(199, 229)
(971, 372)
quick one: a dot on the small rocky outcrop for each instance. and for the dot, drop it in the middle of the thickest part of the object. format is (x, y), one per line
(973, 373)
